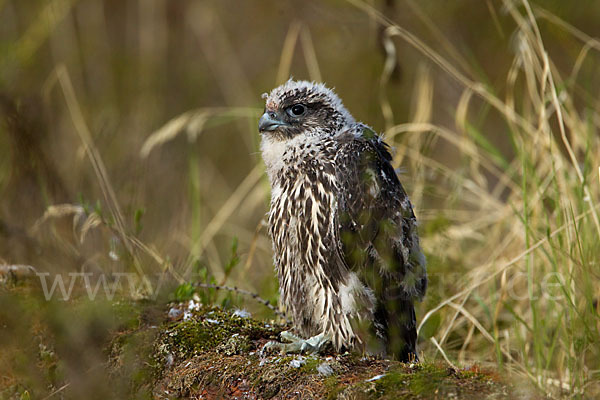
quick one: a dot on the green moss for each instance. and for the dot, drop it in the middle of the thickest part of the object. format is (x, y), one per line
(236, 344)
(429, 380)
(333, 387)
(310, 365)
(212, 328)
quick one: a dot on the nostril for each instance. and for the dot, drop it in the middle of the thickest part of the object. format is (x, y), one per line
(272, 115)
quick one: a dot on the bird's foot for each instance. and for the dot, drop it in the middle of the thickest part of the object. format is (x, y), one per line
(296, 344)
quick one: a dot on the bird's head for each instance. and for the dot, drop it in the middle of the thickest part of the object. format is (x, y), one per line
(302, 107)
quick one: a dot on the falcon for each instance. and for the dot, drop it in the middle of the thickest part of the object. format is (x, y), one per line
(343, 230)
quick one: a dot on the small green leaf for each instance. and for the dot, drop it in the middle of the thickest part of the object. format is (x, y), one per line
(137, 219)
(184, 292)
(234, 259)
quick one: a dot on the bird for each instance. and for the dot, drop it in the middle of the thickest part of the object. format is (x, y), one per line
(344, 235)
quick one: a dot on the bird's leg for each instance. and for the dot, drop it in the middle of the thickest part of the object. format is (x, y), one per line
(296, 344)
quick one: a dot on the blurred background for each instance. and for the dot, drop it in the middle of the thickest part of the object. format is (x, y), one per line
(129, 143)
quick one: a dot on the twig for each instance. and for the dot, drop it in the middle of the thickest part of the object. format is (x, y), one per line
(60, 389)
(442, 352)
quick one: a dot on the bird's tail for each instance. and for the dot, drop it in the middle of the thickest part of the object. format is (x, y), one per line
(400, 328)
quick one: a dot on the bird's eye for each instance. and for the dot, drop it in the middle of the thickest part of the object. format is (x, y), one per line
(296, 110)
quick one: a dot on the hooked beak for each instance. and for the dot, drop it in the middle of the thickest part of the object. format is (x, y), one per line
(269, 122)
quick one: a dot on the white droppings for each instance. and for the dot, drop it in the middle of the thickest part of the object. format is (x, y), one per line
(297, 362)
(174, 313)
(242, 313)
(375, 378)
(325, 369)
(193, 306)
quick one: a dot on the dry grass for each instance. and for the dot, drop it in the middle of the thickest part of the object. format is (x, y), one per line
(502, 165)
(552, 217)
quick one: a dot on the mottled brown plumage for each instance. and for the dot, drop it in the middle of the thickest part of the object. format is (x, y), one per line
(344, 233)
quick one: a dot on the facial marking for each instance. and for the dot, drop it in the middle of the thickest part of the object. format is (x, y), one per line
(323, 112)
(271, 105)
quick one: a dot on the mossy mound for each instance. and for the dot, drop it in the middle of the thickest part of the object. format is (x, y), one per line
(214, 353)
(188, 350)
(212, 329)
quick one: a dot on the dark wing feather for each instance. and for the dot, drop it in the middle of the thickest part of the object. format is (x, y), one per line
(379, 238)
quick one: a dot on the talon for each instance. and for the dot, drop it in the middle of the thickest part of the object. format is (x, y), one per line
(296, 344)
(290, 337)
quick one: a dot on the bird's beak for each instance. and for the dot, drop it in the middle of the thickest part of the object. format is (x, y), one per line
(269, 122)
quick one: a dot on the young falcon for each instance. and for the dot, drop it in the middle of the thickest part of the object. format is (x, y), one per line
(344, 233)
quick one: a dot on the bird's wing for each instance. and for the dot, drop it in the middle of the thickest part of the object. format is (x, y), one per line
(378, 237)
(378, 229)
